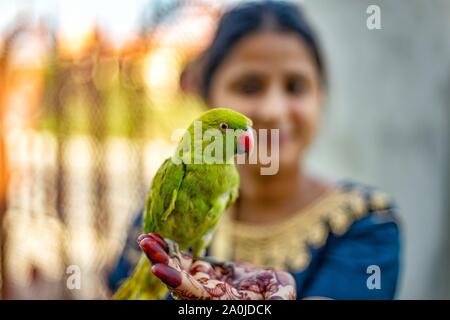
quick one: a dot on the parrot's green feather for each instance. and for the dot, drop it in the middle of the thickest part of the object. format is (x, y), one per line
(165, 184)
(142, 285)
(185, 203)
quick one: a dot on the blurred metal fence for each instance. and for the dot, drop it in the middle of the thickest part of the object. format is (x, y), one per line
(84, 126)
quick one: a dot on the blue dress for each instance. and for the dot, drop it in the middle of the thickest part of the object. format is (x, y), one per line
(345, 246)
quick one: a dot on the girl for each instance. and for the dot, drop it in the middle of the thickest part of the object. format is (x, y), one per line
(336, 240)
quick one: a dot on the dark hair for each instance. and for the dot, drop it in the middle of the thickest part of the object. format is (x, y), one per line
(250, 17)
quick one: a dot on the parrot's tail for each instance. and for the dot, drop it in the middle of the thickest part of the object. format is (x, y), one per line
(142, 284)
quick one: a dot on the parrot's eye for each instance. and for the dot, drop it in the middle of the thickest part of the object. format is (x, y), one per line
(223, 126)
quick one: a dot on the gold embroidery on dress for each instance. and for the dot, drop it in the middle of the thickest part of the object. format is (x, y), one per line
(285, 245)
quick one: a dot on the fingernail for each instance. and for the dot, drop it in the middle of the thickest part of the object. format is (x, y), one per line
(157, 235)
(168, 275)
(142, 237)
(154, 251)
(160, 240)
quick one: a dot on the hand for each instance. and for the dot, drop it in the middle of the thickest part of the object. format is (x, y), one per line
(203, 280)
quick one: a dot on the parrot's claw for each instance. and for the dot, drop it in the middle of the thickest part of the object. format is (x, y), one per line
(174, 249)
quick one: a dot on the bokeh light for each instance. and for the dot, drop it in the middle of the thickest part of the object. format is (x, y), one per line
(88, 101)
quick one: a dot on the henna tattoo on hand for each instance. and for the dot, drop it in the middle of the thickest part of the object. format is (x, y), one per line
(204, 280)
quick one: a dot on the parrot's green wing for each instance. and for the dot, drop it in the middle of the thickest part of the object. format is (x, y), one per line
(163, 194)
(220, 204)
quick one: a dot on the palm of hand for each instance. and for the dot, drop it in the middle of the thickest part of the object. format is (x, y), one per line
(205, 280)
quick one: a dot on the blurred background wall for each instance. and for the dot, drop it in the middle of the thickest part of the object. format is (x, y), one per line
(388, 120)
(88, 102)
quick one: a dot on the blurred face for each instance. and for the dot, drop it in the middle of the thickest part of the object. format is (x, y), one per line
(272, 78)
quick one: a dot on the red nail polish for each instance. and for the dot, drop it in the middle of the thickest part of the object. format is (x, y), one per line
(157, 235)
(154, 251)
(168, 275)
(160, 241)
(142, 237)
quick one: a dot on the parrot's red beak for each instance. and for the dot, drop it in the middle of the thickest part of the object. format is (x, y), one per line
(245, 141)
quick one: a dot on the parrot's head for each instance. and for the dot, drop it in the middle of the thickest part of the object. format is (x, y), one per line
(233, 128)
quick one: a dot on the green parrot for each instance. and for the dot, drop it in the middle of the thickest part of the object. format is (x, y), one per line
(190, 191)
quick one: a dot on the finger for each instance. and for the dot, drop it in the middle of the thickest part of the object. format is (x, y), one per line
(233, 271)
(242, 270)
(168, 275)
(281, 287)
(181, 283)
(156, 237)
(153, 250)
(225, 271)
(142, 237)
(251, 287)
(202, 268)
(285, 278)
(201, 287)
(282, 293)
(180, 260)
(198, 287)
